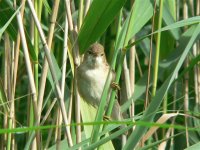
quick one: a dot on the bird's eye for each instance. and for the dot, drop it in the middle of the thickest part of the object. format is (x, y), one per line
(102, 54)
(89, 52)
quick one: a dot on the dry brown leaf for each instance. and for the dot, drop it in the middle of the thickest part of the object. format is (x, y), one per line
(161, 120)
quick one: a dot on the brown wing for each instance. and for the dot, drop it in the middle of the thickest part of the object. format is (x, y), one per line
(113, 75)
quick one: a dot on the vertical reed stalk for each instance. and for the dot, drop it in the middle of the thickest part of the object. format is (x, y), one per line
(150, 58)
(36, 66)
(36, 46)
(132, 78)
(9, 92)
(176, 83)
(157, 54)
(73, 29)
(198, 53)
(186, 80)
(17, 45)
(80, 14)
(64, 65)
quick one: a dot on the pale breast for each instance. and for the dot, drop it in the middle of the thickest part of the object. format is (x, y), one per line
(91, 83)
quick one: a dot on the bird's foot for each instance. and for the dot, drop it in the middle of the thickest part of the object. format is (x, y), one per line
(106, 118)
(115, 86)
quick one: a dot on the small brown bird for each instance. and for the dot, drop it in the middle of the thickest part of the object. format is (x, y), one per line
(91, 78)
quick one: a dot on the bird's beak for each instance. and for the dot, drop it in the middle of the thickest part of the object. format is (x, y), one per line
(95, 54)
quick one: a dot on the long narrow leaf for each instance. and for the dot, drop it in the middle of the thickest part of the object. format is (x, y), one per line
(2, 30)
(140, 14)
(156, 101)
(99, 17)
